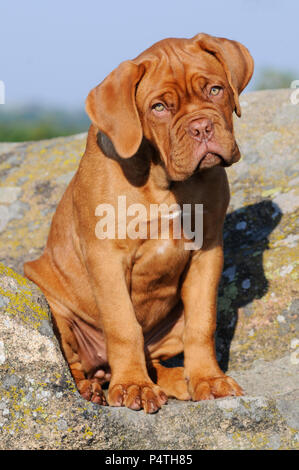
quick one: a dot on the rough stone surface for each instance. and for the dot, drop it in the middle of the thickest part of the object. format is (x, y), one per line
(257, 332)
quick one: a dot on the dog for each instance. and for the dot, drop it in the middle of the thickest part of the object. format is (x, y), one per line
(161, 133)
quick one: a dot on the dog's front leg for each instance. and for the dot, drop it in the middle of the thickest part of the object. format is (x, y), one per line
(130, 383)
(199, 294)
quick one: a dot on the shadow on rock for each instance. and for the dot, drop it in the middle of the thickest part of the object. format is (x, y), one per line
(246, 233)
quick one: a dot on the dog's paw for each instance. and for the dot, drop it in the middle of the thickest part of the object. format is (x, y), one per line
(171, 380)
(91, 390)
(136, 396)
(208, 388)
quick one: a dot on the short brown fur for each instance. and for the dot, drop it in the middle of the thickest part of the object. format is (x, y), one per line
(122, 305)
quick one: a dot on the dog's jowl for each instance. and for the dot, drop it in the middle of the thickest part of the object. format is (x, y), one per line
(161, 137)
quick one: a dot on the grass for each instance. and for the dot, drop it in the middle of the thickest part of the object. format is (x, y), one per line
(36, 123)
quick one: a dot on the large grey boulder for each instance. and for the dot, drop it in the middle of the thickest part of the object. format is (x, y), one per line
(257, 332)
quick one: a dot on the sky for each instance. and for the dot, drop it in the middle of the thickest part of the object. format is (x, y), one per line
(52, 52)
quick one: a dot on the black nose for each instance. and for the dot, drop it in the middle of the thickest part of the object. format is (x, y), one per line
(201, 129)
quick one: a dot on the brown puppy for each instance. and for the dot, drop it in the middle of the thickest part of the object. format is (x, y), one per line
(162, 132)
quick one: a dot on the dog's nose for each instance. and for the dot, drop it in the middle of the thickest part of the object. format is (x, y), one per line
(201, 129)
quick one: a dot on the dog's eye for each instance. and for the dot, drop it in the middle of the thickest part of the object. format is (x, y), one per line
(215, 90)
(159, 107)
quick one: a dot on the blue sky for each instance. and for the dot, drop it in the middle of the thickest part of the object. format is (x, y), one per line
(53, 52)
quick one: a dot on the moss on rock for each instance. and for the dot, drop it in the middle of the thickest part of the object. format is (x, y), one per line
(257, 329)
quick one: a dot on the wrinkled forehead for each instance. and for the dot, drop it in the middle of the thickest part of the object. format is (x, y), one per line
(177, 65)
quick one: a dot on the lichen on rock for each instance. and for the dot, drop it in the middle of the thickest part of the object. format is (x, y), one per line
(258, 320)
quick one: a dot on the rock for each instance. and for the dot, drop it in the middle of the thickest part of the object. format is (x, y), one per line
(40, 407)
(260, 278)
(33, 178)
(257, 329)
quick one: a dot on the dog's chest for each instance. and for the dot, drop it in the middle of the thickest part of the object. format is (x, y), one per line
(155, 279)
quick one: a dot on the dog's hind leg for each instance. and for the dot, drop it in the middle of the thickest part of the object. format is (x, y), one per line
(79, 346)
(162, 346)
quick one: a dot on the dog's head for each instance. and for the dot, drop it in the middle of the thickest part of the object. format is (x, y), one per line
(180, 94)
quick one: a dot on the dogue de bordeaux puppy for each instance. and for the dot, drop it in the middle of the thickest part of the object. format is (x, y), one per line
(161, 133)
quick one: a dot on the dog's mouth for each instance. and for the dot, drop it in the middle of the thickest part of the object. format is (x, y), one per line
(211, 159)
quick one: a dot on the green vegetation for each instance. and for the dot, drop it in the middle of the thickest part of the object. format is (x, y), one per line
(35, 123)
(269, 78)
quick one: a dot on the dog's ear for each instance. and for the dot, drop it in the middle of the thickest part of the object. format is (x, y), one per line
(112, 108)
(235, 59)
